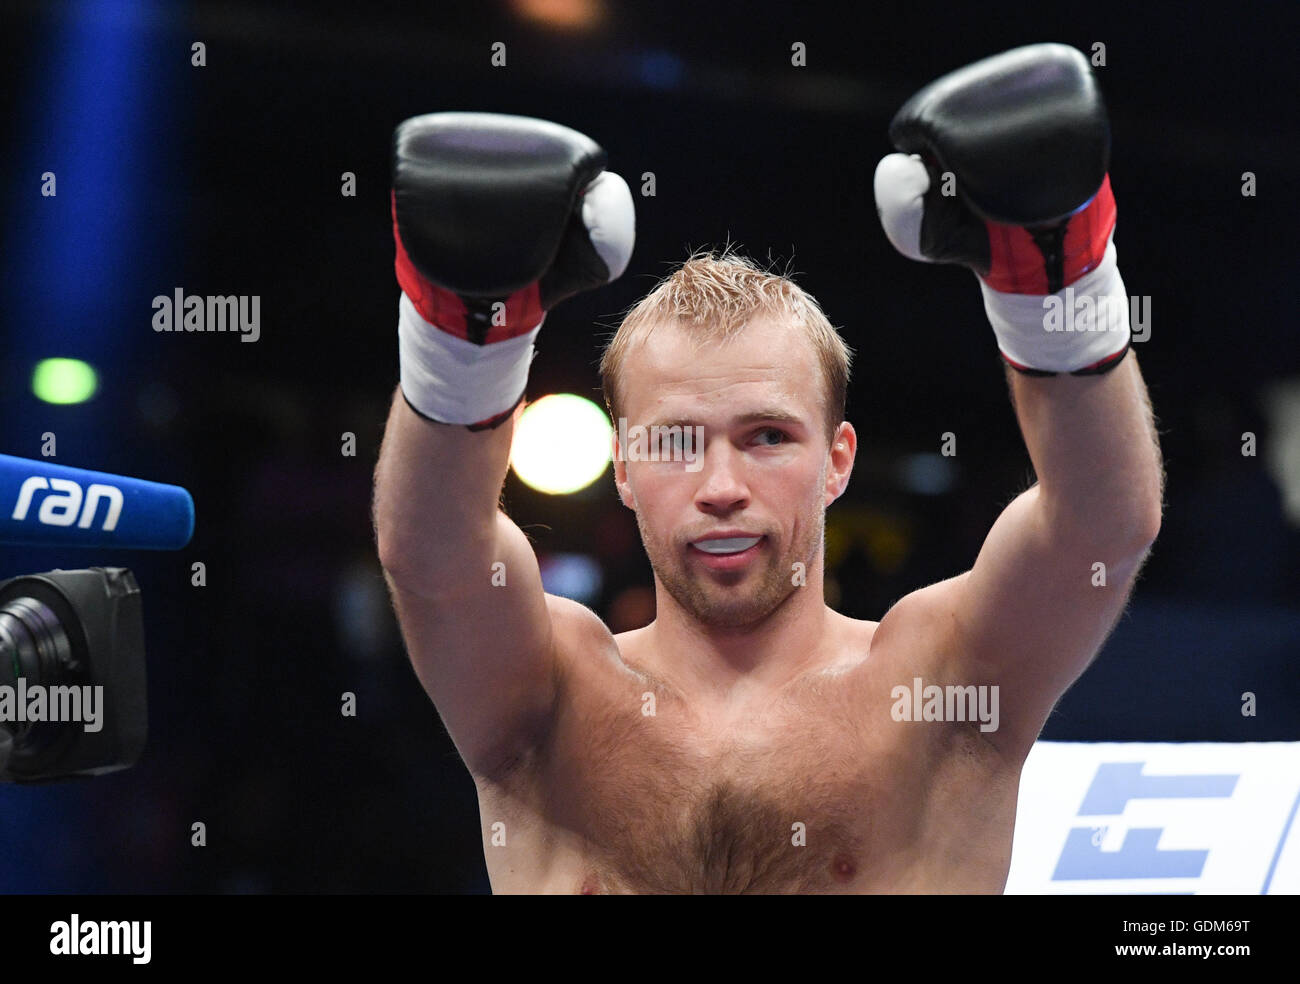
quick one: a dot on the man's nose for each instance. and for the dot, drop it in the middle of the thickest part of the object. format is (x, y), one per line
(722, 481)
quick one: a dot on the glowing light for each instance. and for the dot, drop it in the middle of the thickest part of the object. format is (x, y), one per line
(561, 444)
(570, 15)
(64, 381)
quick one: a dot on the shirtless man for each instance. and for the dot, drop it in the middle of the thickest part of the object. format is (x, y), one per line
(751, 739)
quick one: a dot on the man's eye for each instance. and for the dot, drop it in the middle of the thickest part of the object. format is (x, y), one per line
(772, 432)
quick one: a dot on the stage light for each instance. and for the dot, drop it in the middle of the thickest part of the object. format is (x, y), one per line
(567, 15)
(561, 444)
(64, 381)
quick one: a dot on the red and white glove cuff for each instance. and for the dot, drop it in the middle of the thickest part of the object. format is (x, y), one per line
(1076, 328)
(453, 381)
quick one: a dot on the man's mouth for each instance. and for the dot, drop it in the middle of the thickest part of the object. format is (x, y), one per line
(726, 545)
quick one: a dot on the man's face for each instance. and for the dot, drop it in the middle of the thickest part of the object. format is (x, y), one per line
(724, 532)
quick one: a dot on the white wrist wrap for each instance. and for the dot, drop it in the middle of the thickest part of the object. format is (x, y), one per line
(454, 381)
(1071, 329)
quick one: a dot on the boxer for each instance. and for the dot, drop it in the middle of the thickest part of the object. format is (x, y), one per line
(750, 738)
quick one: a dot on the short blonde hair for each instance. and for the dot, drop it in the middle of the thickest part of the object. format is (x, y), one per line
(713, 296)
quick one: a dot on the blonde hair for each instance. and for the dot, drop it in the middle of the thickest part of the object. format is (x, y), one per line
(713, 296)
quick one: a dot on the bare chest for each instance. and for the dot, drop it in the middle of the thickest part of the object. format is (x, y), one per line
(816, 793)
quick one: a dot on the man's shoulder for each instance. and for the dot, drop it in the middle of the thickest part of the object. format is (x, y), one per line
(572, 615)
(916, 634)
(926, 616)
(583, 642)
(851, 643)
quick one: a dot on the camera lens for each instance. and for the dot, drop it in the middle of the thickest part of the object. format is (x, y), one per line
(72, 674)
(34, 646)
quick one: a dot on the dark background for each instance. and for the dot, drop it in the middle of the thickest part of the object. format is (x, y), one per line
(225, 179)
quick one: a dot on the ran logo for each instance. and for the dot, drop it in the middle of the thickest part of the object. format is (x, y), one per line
(62, 508)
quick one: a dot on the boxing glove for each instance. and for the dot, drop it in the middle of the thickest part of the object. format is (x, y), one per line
(1002, 167)
(496, 219)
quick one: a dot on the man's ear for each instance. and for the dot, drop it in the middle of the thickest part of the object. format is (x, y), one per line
(843, 452)
(621, 483)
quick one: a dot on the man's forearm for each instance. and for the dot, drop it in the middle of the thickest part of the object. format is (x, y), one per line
(1094, 447)
(437, 490)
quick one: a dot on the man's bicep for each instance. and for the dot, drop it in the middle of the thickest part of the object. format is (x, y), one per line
(485, 652)
(1034, 610)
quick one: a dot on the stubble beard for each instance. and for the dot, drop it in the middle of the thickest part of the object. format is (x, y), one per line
(731, 600)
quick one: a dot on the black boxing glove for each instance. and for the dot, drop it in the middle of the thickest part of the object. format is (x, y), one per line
(496, 220)
(1028, 206)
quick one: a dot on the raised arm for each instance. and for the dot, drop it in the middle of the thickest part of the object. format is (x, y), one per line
(497, 219)
(1025, 136)
(1057, 568)
(481, 649)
